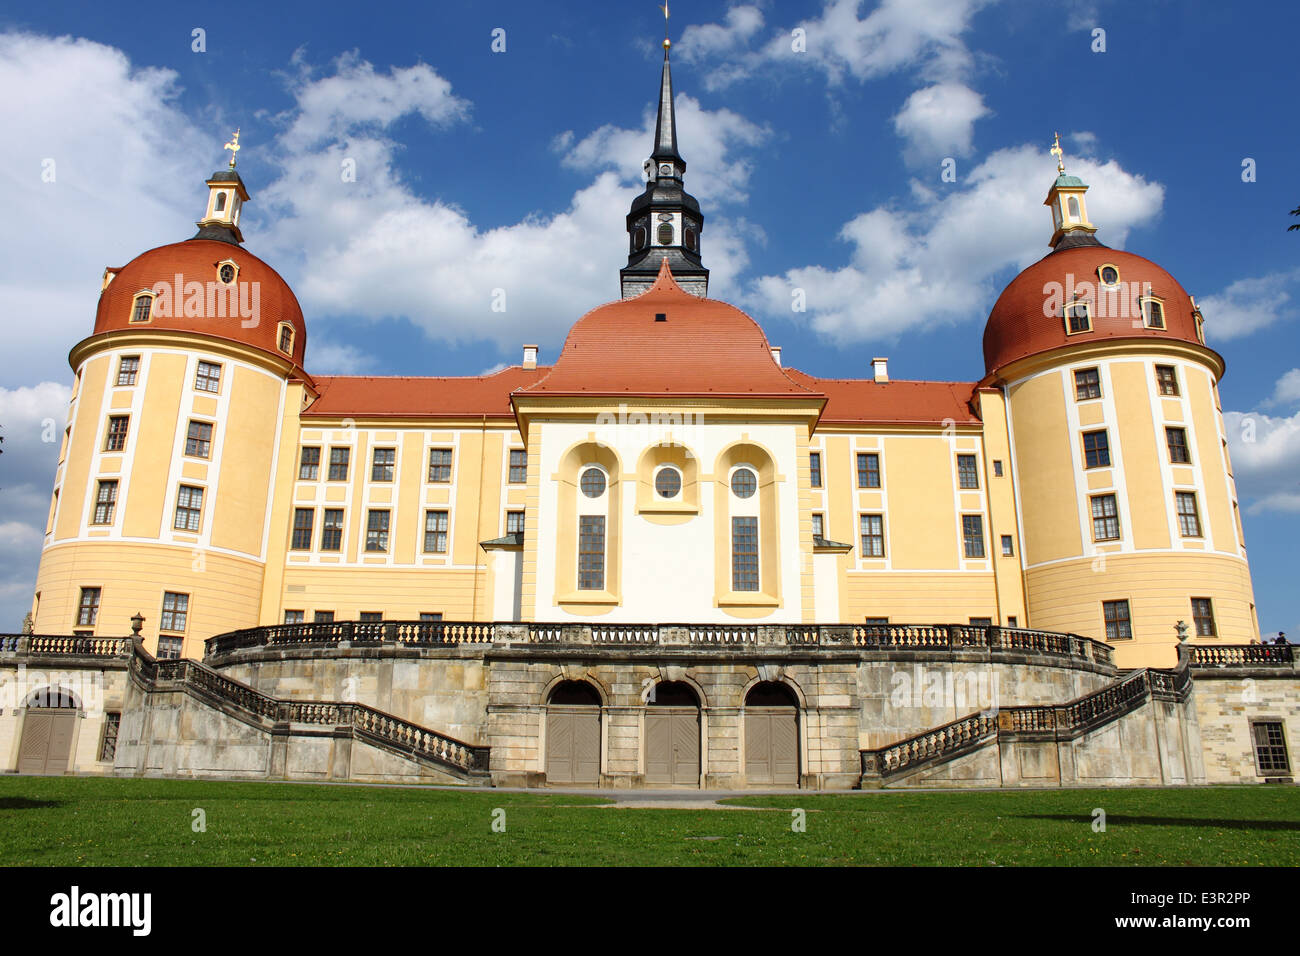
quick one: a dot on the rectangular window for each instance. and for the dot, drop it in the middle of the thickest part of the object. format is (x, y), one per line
(518, 466)
(1203, 615)
(591, 552)
(1087, 384)
(876, 621)
(430, 617)
(1189, 518)
(1153, 313)
(440, 465)
(381, 464)
(127, 369)
(972, 532)
(1012, 621)
(435, 532)
(293, 617)
(1078, 317)
(303, 518)
(872, 530)
(117, 427)
(815, 468)
(1008, 546)
(514, 522)
(189, 508)
(169, 648)
(175, 609)
(1270, 747)
(108, 743)
(377, 530)
(744, 554)
(981, 622)
(198, 440)
(323, 617)
(1105, 518)
(967, 473)
(208, 378)
(1096, 449)
(818, 526)
(105, 502)
(142, 307)
(331, 530)
(339, 461)
(88, 609)
(1177, 439)
(868, 470)
(997, 468)
(309, 464)
(1118, 626)
(1167, 380)
(371, 617)
(286, 339)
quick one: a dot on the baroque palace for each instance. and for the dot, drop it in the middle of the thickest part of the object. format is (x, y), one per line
(666, 559)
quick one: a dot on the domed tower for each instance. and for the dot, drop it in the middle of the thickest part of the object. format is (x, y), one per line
(1123, 483)
(162, 496)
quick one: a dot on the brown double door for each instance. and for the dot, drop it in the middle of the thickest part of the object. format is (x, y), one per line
(47, 741)
(672, 746)
(772, 746)
(572, 745)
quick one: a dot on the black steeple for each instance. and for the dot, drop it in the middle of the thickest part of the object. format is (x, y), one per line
(665, 220)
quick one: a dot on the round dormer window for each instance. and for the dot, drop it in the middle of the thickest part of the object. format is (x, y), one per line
(226, 273)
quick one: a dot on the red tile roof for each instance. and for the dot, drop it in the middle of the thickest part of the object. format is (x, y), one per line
(1025, 321)
(195, 261)
(865, 401)
(365, 396)
(703, 347)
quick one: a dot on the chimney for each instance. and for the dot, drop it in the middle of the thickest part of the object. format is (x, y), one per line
(776, 354)
(530, 356)
(880, 369)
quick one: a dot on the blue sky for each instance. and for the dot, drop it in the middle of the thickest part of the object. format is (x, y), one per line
(479, 170)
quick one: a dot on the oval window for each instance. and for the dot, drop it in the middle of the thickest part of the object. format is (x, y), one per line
(743, 483)
(227, 273)
(666, 234)
(1109, 275)
(592, 483)
(668, 483)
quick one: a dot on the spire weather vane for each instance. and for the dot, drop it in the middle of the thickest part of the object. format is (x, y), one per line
(233, 146)
(1059, 154)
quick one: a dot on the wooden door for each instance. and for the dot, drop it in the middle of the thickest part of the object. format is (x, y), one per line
(573, 745)
(46, 746)
(772, 746)
(672, 746)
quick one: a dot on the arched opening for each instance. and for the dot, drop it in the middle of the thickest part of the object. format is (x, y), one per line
(672, 735)
(771, 735)
(221, 203)
(49, 727)
(573, 734)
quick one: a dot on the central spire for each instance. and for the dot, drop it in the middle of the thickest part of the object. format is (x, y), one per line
(665, 222)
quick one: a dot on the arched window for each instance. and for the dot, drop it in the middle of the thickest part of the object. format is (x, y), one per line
(286, 338)
(666, 234)
(142, 310)
(220, 204)
(1075, 215)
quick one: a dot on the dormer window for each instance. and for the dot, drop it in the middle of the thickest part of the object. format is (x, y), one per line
(1078, 317)
(1153, 313)
(1109, 275)
(143, 308)
(286, 338)
(227, 272)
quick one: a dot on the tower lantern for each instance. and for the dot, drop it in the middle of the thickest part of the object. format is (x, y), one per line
(1069, 208)
(226, 194)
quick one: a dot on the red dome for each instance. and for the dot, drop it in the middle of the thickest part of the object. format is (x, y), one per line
(698, 347)
(1027, 318)
(258, 296)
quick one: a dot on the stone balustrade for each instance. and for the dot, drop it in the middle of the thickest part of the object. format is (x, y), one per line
(1243, 655)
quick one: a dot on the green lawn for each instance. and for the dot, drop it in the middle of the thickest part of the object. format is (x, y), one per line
(102, 822)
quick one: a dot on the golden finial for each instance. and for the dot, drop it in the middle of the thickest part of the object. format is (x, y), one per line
(1059, 154)
(233, 146)
(667, 42)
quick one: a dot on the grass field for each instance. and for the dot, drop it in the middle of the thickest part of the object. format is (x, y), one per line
(122, 822)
